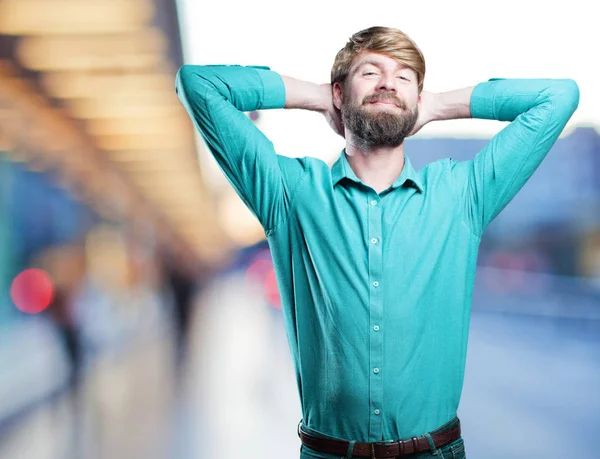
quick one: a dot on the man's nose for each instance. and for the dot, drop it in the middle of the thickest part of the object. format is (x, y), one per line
(387, 82)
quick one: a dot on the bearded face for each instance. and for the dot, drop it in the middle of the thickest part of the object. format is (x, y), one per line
(379, 125)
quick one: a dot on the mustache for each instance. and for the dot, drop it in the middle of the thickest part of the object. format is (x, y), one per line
(384, 97)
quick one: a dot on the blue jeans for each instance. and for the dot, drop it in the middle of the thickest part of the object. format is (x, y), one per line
(454, 450)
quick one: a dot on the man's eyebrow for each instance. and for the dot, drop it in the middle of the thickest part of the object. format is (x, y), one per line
(368, 62)
(378, 64)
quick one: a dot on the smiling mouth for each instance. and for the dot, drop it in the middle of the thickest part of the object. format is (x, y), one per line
(384, 102)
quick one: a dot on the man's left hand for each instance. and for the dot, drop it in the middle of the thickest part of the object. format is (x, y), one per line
(426, 111)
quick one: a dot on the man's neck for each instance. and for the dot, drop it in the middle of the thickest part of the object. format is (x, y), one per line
(376, 167)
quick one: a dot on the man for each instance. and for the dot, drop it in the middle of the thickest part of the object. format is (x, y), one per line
(375, 261)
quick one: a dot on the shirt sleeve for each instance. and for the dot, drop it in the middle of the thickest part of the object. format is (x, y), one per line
(538, 110)
(216, 97)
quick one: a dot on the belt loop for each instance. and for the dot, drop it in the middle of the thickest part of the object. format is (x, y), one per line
(372, 446)
(432, 447)
(350, 452)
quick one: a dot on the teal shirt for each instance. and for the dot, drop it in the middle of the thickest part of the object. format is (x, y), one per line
(376, 287)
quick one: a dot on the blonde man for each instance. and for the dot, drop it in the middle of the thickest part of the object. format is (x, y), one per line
(375, 261)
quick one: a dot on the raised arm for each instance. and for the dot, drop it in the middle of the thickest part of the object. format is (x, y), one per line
(537, 109)
(216, 97)
(310, 96)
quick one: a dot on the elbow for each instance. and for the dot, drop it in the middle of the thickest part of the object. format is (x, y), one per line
(566, 93)
(194, 81)
(182, 78)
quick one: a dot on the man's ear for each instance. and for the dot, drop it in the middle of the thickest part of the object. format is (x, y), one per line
(337, 95)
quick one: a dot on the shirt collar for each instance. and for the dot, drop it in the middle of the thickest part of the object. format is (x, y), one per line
(341, 169)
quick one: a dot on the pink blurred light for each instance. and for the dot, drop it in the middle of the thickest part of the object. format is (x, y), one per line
(32, 290)
(257, 271)
(271, 290)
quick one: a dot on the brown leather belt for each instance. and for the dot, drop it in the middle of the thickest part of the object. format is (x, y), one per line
(400, 448)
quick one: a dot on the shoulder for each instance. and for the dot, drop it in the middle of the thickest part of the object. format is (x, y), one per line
(306, 163)
(438, 168)
(444, 173)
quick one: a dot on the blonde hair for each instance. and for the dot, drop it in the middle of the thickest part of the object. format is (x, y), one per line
(384, 40)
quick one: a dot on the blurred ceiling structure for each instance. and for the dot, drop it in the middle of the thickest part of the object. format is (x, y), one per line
(87, 91)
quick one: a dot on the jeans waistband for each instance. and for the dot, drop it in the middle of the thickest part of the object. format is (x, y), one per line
(446, 426)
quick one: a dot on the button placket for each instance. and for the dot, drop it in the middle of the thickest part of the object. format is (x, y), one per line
(375, 254)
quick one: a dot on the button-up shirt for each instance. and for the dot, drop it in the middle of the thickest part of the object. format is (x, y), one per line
(375, 287)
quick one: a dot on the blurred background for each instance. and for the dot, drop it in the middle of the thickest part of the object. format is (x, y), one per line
(139, 313)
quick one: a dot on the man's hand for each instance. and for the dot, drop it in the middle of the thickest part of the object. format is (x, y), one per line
(332, 114)
(427, 111)
(451, 105)
(316, 97)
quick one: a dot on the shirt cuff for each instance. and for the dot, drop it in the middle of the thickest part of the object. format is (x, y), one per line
(482, 100)
(273, 88)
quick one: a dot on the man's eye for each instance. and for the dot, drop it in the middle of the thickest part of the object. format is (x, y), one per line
(369, 73)
(403, 78)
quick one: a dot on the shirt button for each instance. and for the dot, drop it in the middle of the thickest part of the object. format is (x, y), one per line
(376, 411)
(374, 240)
(375, 370)
(373, 202)
(375, 284)
(376, 328)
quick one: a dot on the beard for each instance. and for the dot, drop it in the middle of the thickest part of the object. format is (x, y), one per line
(378, 128)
